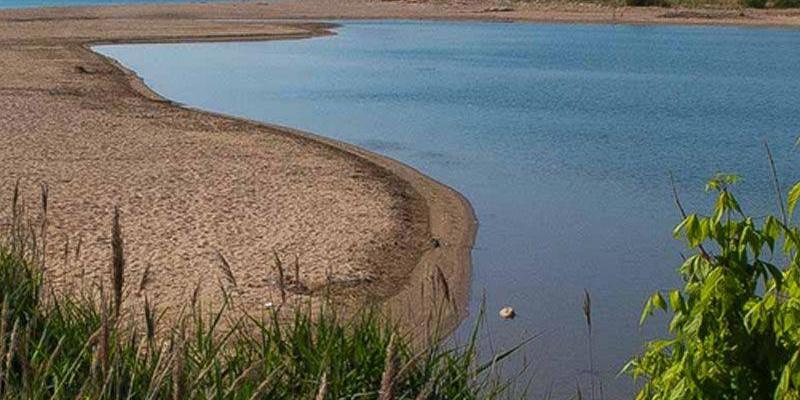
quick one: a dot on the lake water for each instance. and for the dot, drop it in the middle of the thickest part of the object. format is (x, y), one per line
(561, 136)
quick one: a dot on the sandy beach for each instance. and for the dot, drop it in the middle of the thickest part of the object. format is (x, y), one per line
(192, 185)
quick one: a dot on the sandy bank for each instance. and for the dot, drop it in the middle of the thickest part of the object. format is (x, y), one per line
(191, 184)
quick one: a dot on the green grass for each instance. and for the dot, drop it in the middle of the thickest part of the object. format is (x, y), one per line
(54, 347)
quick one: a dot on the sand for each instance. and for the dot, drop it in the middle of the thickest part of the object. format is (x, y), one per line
(192, 185)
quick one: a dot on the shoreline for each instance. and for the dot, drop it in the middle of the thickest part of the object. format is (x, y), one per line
(471, 10)
(455, 263)
(428, 209)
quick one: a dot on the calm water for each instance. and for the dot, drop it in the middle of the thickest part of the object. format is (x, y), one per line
(561, 136)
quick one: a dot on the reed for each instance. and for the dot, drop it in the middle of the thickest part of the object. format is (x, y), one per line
(281, 277)
(80, 346)
(117, 262)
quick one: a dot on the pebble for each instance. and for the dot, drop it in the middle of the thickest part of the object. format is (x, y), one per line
(507, 313)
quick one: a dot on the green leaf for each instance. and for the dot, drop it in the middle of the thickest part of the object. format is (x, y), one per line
(694, 231)
(676, 300)
(776, 273)
(647, 311)
(794, 195)
(658, 301)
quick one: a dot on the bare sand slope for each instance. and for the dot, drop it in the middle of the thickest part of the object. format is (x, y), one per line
(190, 184)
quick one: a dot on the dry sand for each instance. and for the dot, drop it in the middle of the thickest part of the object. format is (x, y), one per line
(191, 183)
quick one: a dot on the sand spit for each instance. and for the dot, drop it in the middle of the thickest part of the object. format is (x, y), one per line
(192, 185)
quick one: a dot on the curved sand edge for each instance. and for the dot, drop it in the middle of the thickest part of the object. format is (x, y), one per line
(440, 280)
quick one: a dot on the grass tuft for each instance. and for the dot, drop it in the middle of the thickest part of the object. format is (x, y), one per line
(80, 346)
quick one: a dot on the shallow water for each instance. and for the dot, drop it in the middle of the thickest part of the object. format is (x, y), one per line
(561, 136)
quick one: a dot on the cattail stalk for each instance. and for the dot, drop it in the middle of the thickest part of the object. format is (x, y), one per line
(45, 195)
(117, 262)
(281, 281)
(587, 313)
(149, 319)
(145, 278)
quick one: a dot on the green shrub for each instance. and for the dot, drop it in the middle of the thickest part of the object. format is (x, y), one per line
(735, 327)
(787, 4)
(754, 3)
(648, 3)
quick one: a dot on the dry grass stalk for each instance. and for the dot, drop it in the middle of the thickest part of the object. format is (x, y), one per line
(117, 262)
(3, 328)
(66, 254)
(297, 270)
(196, 294)
(425, 392)
(103, 355)
(446, 289)
(178, 386)
(225, 267)
(161, 370)
(12, 349)
(24, 362)
(587, 309)
(149, 319)
(43, 228)
(15, 211)
(322, 392)
(386, 391)
(281, 277)
(56, 352)
(262, 387)
(94, 372)
(247, 373)
(15, 222)
(587, 313)
(78, 248)
(145, 278)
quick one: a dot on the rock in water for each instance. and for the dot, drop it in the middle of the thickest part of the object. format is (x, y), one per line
(507, 313)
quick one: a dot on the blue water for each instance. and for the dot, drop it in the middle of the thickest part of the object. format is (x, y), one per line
(561, 136)
(65, 3)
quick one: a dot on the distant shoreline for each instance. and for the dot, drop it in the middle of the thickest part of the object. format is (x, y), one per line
(477, 10)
